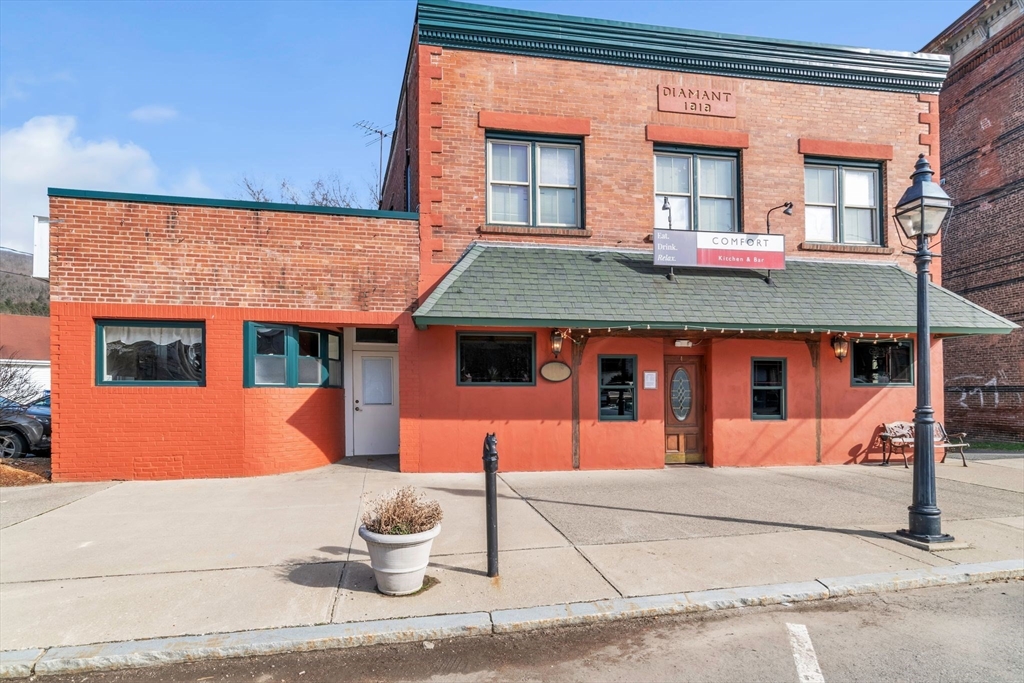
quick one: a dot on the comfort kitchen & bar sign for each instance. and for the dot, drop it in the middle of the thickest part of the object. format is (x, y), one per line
(694, 100)
(719, 249)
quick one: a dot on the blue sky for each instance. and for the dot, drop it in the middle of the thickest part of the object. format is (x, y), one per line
(187, 97)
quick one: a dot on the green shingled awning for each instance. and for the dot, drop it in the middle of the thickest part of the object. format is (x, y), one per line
(504, 285)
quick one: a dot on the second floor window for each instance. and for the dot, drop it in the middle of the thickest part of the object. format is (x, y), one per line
(533, 183)
(700, 188)
(842, 203)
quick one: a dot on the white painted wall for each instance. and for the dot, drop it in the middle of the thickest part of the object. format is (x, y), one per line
(39, 371)
(41, 253)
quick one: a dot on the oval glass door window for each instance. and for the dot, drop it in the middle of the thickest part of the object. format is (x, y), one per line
(682, 396)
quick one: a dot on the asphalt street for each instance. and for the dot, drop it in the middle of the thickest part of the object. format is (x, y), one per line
(965, 633)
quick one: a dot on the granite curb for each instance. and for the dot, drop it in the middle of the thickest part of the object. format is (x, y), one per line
(157, 651)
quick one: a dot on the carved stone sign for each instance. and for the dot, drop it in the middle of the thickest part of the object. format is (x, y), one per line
(697, 100)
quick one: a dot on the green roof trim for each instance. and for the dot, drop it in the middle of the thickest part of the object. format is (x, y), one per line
(502, 285)
(494, 29)
(226, 203)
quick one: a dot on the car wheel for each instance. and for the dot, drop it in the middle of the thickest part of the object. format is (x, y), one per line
(12, 444)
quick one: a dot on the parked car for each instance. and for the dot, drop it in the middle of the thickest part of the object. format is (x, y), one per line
(24, 429)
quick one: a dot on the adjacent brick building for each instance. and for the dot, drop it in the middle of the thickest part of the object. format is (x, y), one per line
(981, 107)
(509, 284)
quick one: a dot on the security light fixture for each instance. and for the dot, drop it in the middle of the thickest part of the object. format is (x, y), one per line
(925, 205)
(556, 342)
(787, 208)
(840, 346)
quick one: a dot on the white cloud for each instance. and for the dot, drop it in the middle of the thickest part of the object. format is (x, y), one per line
(44, 152)
(154, 113)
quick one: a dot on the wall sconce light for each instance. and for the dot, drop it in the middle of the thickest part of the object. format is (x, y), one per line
(556, 342)
(841, 346)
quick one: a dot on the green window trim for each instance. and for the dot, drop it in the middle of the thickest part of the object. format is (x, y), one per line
(841, 165)
(781, 388)
(291, 356)
(695, 194)
(534, 142)
(485, 333)
(101, 356)
(855, 343)
(602, 387)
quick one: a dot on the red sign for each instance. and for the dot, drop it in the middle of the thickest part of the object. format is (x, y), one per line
(700, 101)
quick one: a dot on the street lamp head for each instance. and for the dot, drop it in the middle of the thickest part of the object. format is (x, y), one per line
(924, 206)
(789, 208)
(666, 206)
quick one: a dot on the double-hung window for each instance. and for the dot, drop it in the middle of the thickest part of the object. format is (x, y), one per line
(842, 202)
(696, 190)
(290, 356)
(534, 182)
(768, 389)
(135, 352)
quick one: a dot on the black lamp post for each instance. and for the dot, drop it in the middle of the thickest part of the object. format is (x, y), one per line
(920, 214)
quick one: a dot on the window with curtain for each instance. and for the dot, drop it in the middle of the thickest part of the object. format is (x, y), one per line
(150, 352)
(290, 356)
(533, 183)
(701, 190)
(842, 202)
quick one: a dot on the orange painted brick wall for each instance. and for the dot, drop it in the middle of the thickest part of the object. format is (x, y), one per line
(619, 178)
(217, 430)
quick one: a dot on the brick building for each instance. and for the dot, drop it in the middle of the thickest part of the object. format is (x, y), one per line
(510, 283)
(981, 107)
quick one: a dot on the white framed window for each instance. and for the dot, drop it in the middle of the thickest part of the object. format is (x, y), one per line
(533, 183)
(699, 189)
(842, 202)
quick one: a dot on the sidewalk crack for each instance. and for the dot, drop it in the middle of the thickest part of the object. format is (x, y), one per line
(567, 539)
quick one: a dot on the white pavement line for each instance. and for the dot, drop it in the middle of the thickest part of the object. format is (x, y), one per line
(803, 654)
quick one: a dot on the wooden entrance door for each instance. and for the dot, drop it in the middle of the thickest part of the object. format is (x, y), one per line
(684, 409)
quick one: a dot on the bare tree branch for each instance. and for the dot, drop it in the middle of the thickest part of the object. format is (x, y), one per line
(16, 385)
(253, 190)
(324, 191)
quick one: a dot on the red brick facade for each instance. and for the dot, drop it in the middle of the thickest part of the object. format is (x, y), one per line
(225, 265)
(982, 112)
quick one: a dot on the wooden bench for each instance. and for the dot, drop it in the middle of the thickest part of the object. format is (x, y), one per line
(901, 435)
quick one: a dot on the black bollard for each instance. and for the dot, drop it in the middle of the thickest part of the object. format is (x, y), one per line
(491, 479)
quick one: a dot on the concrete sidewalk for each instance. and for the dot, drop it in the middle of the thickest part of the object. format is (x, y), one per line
(96, 563)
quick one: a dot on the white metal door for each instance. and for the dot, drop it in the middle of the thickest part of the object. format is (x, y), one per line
(375, 403)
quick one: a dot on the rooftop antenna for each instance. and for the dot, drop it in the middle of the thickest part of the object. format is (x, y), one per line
(376, 133)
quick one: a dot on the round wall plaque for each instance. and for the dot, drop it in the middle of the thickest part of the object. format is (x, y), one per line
(555, 371)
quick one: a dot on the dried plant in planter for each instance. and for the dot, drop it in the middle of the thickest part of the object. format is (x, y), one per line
(401, 511)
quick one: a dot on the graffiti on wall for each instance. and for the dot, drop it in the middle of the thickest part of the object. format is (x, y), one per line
(976, 392)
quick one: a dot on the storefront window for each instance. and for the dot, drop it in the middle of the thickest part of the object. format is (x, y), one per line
(768, 389)
(133, 352)
(883, 363)
(287, 356)
(616, 387)
(496, 358)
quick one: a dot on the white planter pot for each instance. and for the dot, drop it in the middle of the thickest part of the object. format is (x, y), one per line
(399, 561)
